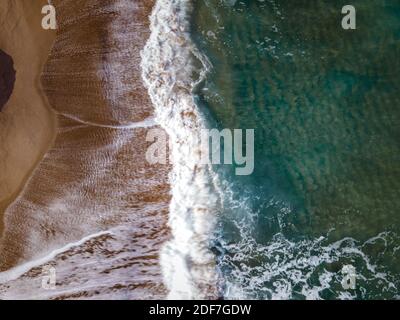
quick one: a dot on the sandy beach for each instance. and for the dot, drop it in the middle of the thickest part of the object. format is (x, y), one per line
(27, 124)
(93, 195)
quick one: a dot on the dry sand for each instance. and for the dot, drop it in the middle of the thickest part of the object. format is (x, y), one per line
(26, 122)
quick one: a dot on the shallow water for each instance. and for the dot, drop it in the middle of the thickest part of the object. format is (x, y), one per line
(324, 105)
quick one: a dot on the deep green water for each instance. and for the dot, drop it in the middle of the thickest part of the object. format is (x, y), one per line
(325, 106)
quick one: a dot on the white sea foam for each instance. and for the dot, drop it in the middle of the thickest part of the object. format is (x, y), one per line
(291, 269)
(308, 268)
(168, 63)
(18, 271)
(146, 123)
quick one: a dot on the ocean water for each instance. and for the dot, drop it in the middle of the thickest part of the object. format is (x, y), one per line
(324, 103)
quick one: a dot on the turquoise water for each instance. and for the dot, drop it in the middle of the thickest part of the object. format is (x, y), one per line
(325, 106)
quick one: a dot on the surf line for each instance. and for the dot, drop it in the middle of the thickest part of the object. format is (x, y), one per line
(170, 72)
(146, 123)
(18, 271)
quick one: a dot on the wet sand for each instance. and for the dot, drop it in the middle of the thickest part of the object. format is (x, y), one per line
(26, 122)
(95, 177)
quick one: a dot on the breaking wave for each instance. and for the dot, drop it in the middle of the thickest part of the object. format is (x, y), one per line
(172, 68)
(305, 268)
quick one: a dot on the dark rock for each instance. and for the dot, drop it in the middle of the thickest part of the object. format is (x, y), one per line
(7, 78)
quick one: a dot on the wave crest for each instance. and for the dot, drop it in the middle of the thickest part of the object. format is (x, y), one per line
(170, 72)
